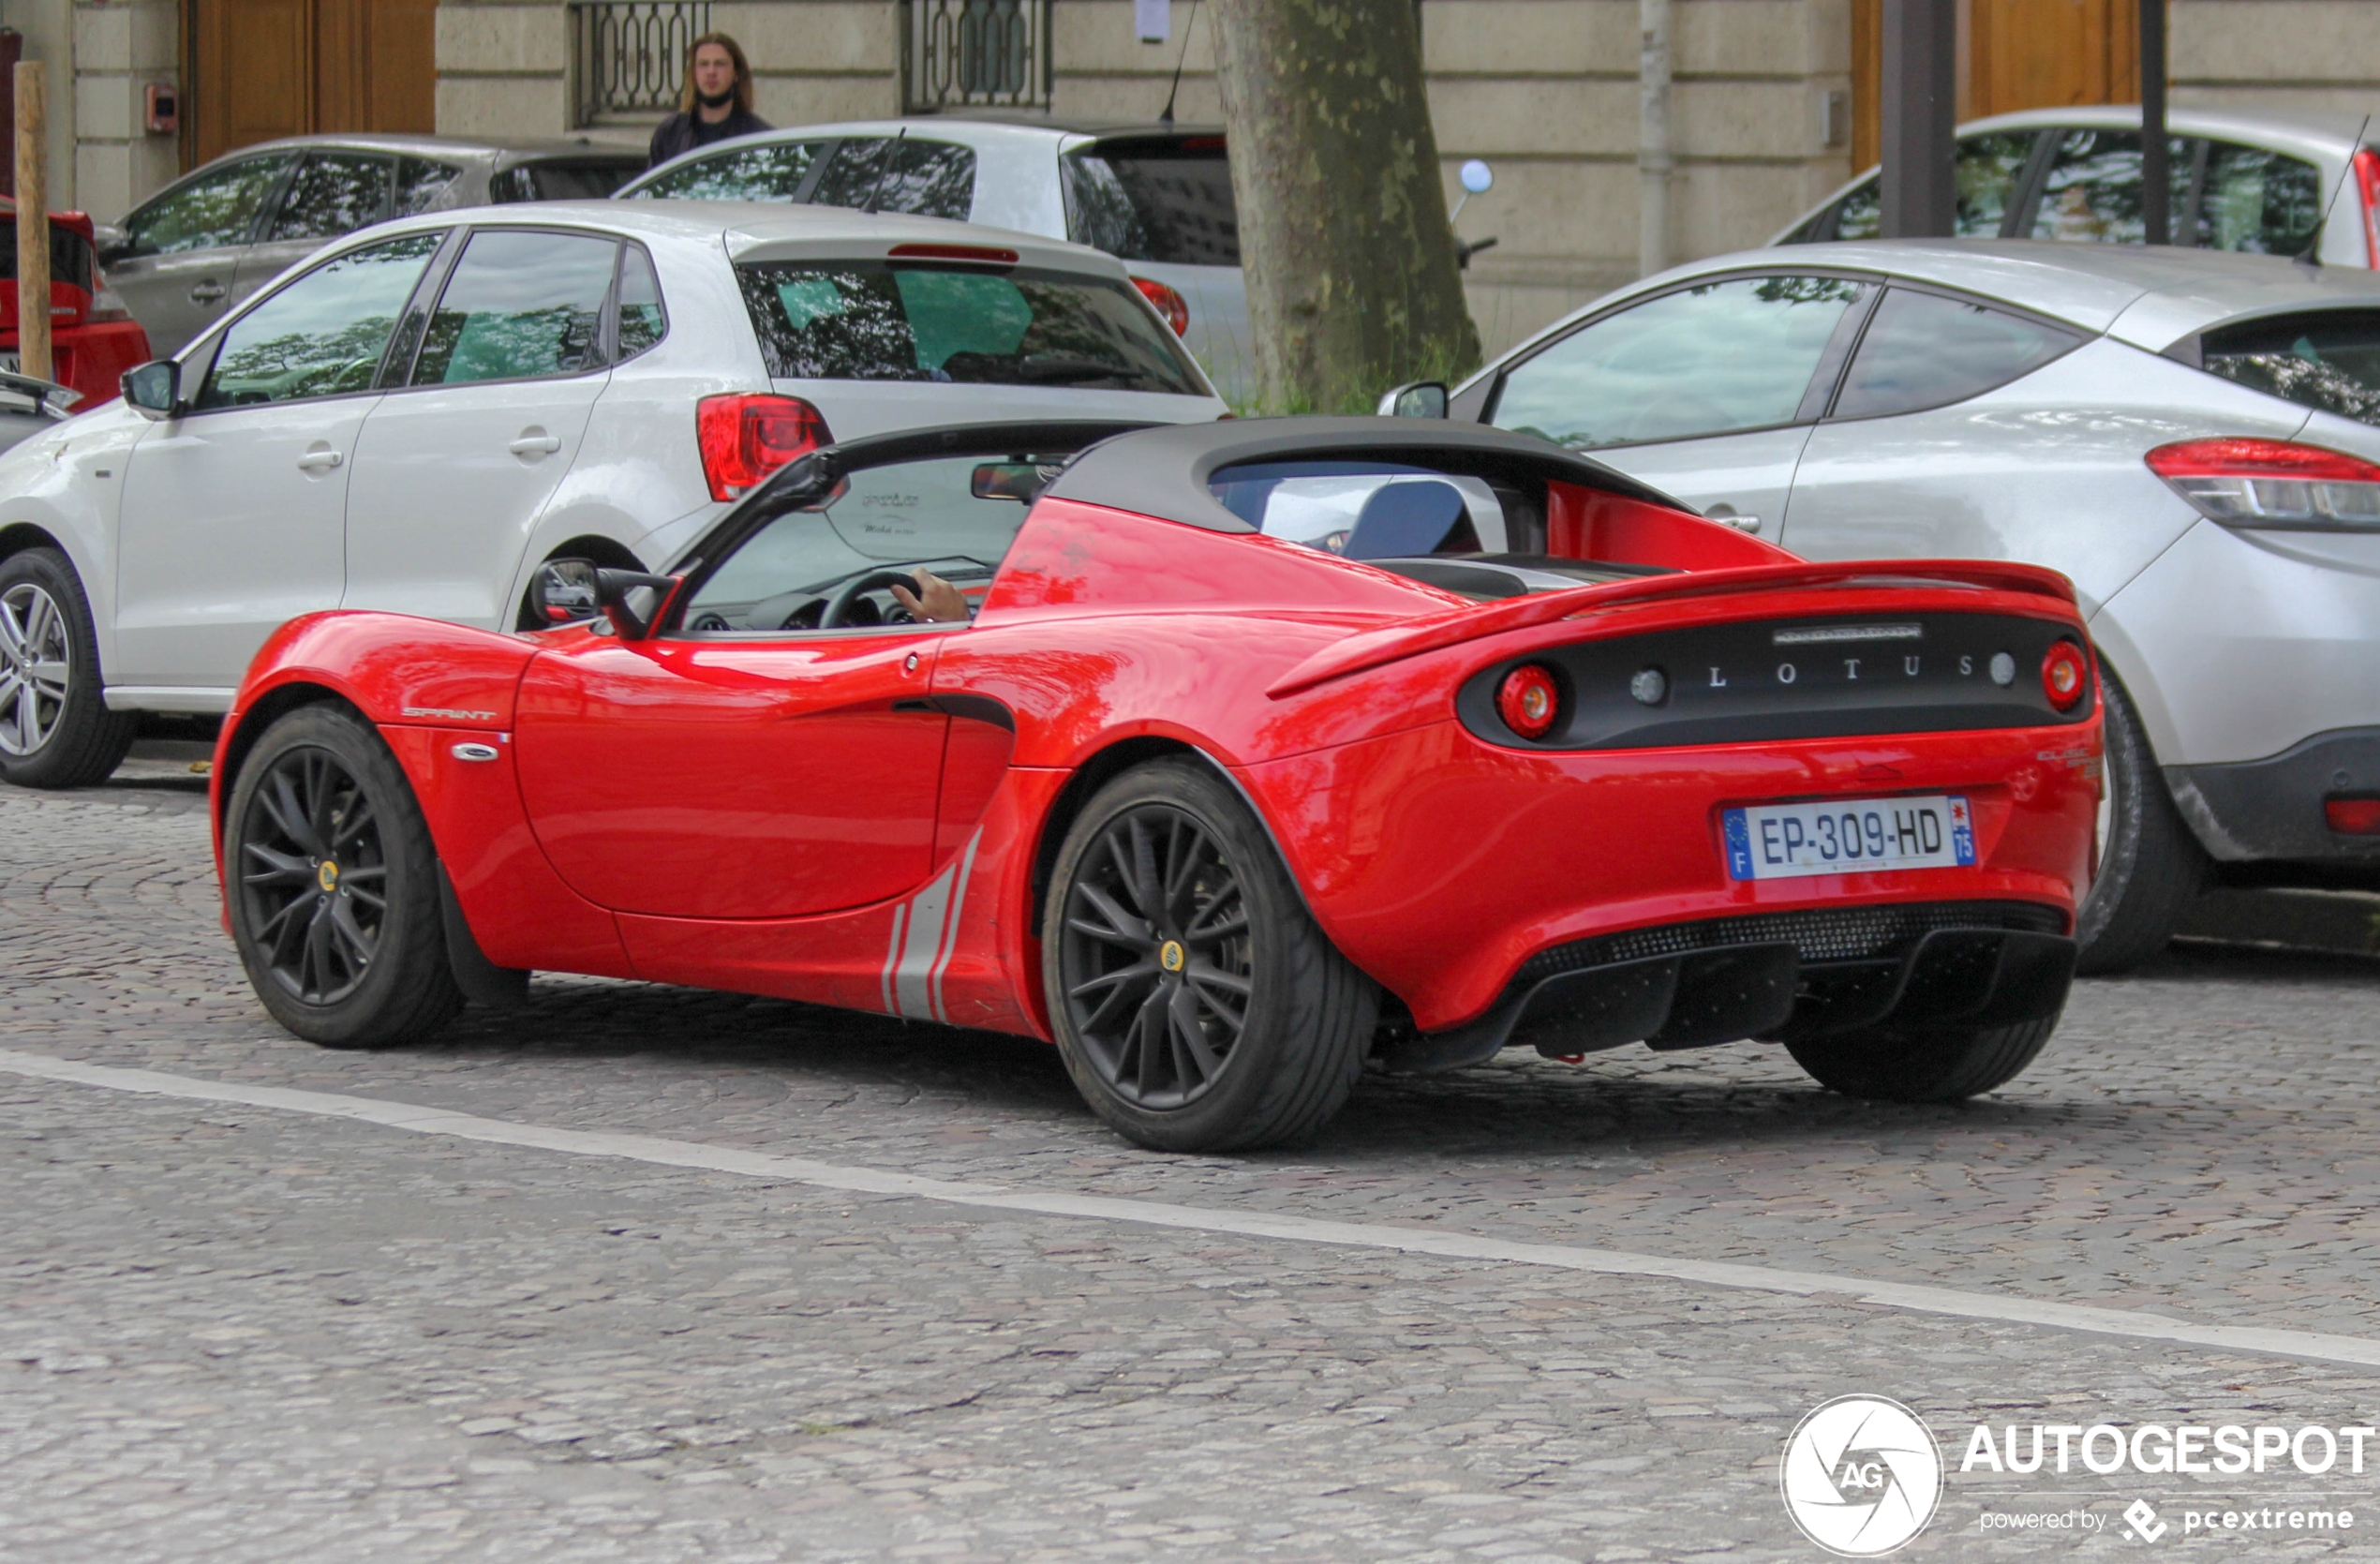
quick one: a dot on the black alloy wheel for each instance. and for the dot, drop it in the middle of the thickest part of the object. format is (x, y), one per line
(313, 875)
(334, 889)
(1156, 959)
(1197, 1003)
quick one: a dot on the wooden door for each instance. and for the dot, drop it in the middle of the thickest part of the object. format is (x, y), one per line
(2020, 54)
(262, 68)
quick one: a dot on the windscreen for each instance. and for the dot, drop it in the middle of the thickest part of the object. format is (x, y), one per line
(2329, 361)
(1166, 199)
(876, 320)
(70, 258)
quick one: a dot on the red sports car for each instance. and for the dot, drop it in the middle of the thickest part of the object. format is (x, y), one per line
(1271, 747)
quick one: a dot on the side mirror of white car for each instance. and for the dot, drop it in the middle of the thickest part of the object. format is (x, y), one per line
(155, 388)
(1414, 399)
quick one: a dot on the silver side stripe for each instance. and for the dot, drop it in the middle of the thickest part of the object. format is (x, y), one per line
(925, 932)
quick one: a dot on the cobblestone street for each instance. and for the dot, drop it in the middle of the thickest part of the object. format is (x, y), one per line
(242, 1332)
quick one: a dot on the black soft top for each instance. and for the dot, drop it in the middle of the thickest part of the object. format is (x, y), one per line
(1165, 471)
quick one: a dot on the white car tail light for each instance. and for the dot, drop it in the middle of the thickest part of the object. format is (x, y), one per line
(1169, 303)
(745, 438)
(2273, 484)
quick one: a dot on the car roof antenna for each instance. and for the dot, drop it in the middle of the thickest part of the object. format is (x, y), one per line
(1166, 118)
(2307, 258)
(891, 152)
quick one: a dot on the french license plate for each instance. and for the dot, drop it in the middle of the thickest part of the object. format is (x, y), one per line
(1849, 836)
(10, 363)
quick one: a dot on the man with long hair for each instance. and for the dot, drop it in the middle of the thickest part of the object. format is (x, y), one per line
(715, 102)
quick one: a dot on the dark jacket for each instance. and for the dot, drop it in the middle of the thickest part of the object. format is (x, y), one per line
(684, 132)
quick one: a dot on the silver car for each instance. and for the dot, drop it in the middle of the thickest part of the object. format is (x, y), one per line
(1157, 196)
(2257, 180)
(2193, 437)
(214, 236)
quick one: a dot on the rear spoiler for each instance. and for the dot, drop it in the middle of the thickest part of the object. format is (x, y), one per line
(1435, 632)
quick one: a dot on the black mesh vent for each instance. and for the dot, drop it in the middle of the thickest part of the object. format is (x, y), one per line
(1820, 933)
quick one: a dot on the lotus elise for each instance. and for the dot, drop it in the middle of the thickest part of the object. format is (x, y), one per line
(1242, 754)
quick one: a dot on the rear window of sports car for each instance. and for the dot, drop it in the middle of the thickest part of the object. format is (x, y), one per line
(874, 320)
(2329, 360)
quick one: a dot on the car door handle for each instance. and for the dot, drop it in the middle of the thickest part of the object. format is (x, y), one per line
(1741, 523)
(319, 461)
(206, 292)
(535, 445)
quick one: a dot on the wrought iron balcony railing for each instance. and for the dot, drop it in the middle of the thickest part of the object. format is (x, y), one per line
(976, 53)
(628, 57)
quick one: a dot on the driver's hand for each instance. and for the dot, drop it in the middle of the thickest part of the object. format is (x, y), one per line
(935, 601)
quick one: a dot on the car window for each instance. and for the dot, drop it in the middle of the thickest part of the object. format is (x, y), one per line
(335, 193)
(1987, 174)
(774, 171)
(1167, 201)
(641, 320)
(1705, 360)
(324, 332)
(2092, 190)
(929, 179)
(1923, 350)
(895, 518)
(213, 210)
(518, 306)
(70, 258)
(420, 182)
(1336, 506)
(2258, 201)
(2326, 359)
(866, 320)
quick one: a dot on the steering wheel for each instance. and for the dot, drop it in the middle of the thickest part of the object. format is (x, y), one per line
(839, 607)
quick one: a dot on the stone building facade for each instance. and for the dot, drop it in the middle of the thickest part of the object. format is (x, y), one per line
(1764, 104)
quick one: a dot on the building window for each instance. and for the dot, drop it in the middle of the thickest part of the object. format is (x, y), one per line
(628, 57)
(976, 53)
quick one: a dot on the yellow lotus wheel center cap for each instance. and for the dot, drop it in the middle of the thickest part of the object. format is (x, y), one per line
(327, 876)
(1169, 956)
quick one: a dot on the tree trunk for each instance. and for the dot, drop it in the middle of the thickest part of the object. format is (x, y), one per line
(1351, 263)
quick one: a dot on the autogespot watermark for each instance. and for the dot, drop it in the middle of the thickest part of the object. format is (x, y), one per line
(1863, 1476)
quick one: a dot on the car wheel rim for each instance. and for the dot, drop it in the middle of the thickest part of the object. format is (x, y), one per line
(35, 668)
(1156, 958)
(313, 877)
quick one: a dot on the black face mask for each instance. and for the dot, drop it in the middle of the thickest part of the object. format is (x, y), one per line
(722, 101)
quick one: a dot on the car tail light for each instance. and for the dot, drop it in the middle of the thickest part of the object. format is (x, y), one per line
(1529, 701)
(2367, 172)
(1169, 303)
(745, 438)
(2273, 484)
(2353, 817)
(106, 305)
(2064, 675)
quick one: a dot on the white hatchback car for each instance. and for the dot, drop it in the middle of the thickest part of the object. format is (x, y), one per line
(421, 414)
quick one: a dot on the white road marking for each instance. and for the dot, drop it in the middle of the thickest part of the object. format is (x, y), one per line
(1248, 1224)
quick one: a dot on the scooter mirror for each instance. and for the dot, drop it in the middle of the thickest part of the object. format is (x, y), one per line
(1478, 178)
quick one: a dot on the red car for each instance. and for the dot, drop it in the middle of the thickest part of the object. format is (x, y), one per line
(1271, 747)
(92, 338)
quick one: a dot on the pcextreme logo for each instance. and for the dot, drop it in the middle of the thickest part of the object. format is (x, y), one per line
(1861, 1476)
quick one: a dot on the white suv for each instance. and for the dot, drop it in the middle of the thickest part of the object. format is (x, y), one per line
(422, 414)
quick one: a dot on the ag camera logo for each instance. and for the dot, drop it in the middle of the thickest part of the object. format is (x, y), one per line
(1861, 1476)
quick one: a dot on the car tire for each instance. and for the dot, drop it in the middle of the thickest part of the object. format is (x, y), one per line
(2151, 867)
(321, 789)
(1125, 960)
(1933, 1064)
(55, 728)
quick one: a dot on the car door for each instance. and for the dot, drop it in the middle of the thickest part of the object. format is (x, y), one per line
(2089, 189)
(455, 466)
(234, 513)
(1966, 430)
(914, 174)
(1704, 390)
(331, 195)
(180, 253)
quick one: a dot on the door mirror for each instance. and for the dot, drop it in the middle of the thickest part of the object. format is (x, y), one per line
(1415, 399)
(154, 388)
(569, 591)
